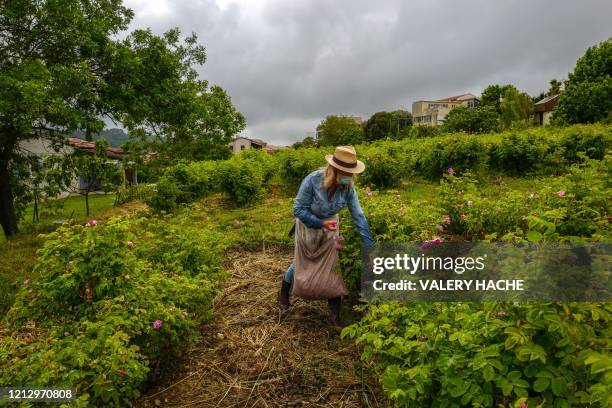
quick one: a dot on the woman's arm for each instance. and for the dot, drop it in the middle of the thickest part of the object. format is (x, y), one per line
(359, 218)
(301, 206)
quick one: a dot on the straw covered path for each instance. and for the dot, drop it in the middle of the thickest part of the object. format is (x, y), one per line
(252, 356)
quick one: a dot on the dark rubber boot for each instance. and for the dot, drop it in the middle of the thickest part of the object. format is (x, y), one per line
(283, 296)
(335, 305)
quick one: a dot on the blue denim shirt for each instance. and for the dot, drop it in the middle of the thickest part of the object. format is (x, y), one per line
(312, 205)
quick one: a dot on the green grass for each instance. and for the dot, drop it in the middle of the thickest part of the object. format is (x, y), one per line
(72, 207)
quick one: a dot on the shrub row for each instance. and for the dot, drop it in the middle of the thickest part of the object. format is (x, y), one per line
(243, 178)
(530, 151)
(112, 300)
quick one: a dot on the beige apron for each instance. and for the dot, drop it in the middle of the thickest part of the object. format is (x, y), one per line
(316, 263)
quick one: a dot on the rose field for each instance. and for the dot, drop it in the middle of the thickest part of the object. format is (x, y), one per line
(168, 298)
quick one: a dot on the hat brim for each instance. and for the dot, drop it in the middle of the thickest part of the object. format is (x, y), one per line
(355, 170)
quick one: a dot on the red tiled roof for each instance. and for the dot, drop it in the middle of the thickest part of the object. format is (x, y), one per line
(89, 146)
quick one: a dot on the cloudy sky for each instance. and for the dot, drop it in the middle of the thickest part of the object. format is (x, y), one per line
(289, 63)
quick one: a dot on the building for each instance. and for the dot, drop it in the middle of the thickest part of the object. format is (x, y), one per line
(45, 147)
(241, 143)
(543, 109)
(433, 112)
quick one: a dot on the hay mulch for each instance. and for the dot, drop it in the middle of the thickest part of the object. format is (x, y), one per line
(252, 356)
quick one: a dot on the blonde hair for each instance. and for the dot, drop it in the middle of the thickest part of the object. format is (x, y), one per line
(332, 175)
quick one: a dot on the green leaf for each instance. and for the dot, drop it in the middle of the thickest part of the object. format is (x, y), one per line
(541, 384)
(534, 236)
(488, 373)
(559, 386)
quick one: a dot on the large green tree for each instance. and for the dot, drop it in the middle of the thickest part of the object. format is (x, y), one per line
(515, 107)
(492, 96)
(587, 97)
(387, 125)
(337, 130)
(61, 69)
(480, 119)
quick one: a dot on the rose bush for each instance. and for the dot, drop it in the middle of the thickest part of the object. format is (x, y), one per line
(110, 301)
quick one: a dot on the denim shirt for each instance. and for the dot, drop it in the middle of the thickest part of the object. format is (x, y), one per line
(312, 205)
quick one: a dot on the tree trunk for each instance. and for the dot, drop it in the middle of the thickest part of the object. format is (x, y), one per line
(87, 202)
(8, 218)
(35, 212)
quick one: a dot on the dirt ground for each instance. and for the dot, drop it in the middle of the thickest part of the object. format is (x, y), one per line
(252, 356)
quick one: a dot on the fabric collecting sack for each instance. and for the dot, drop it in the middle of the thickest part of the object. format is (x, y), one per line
(316, 263)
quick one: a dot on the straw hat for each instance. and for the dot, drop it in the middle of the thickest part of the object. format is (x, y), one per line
(345, 159)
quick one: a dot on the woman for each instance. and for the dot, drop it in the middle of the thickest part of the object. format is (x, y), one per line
(323, 193)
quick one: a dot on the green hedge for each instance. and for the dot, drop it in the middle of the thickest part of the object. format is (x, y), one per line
(244, 178)
(542, 150)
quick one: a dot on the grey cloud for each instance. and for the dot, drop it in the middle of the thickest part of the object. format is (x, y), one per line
(287, 64)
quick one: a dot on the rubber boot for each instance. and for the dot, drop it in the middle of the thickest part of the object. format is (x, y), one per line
(335, 305)
(283, 296)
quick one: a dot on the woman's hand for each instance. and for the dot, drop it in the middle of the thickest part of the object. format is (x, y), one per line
(331, 225)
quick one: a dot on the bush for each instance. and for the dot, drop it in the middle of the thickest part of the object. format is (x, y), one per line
(590, 142)
(489, 354)
(461, 153)
(383, 167)
(140, 192)
(522, 153)
(107, 305)
(183, 184)
(416, 132)
(294, 165)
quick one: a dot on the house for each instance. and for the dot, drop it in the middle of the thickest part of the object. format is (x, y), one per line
(543, 109)
(433, 112)
(241, 143)
(44, 147)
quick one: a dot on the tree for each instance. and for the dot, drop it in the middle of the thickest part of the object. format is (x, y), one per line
(555, 88)
(587, 97)
(387, 125)
(337, 130)
(481, 119)
(61, 70)
(308, 141)
(515, 107)
(492, 95)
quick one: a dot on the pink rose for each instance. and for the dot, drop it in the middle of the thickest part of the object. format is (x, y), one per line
(450, 170)
(157, 324)
(560, 193)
